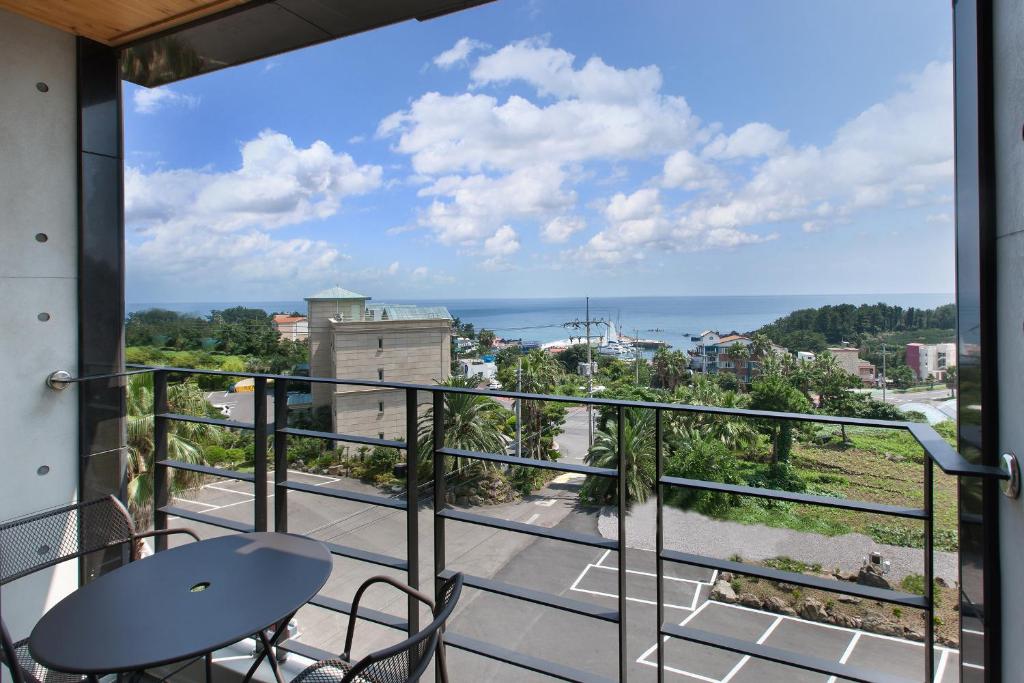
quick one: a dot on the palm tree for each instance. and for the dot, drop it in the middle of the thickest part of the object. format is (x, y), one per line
(541, 374)
(185, 440)
(638, 452)
(472, 422)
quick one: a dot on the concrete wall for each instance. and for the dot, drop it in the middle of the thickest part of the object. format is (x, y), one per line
(38, 195)
(321, 363)
(1009, 117)
(414, 351)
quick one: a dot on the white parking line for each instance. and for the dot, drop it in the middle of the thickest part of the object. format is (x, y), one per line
(533, 518)
(746, 658)
(857, 637)
(227, 490)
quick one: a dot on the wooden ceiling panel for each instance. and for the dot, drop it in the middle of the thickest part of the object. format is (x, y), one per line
(115, 22)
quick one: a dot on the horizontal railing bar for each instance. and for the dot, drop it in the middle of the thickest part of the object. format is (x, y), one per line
(367, 556)
(217, 422)
(771, 574)
(347, 438)
(565, 604)
(203, 518)
(779, 656)
(529, 462)
(948, 459)
(206, 469)
(794, 497)
(307, 651)
(530, 529)
(342, 607)
(520, 660)
(105, 375)
(369, 498)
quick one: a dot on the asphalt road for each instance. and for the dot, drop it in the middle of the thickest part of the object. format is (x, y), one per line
(558, 568)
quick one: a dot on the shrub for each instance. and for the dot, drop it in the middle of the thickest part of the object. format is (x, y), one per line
(707, 461)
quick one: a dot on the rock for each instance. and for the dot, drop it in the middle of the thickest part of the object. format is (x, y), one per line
(876, 624)
(911, 634)
(939, 581)
(723, 592)
(813, 610)
(844, 620)
(726, 576)
(779, 606)
(783, 586)
(752, 601)
(870, 575)
(848, 599)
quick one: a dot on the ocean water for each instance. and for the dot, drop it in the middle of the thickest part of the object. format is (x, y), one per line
(672, 318)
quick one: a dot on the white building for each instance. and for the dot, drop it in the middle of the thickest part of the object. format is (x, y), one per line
(931, 359)
(475, 367)
(291, 327)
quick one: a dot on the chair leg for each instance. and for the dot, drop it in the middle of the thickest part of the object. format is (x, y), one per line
(209, 667)
(442, 665)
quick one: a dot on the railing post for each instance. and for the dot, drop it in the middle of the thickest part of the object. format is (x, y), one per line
(161, 479)
(412, 529)
(280, 456)
(659, 543)
(623, 506)
(439, 463)
(929, 571)
(260, 454)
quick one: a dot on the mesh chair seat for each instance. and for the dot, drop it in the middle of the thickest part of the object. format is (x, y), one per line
(37, 670)
(328, 671)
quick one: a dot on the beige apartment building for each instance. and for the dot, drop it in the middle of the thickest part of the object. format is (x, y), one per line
(350, 338)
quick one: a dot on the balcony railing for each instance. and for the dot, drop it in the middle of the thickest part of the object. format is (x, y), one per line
(936, 450)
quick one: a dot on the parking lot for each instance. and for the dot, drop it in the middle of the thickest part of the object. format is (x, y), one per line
(567, 570)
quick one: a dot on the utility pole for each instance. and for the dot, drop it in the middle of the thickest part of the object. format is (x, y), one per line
(519, 409)
(636, 354)
(585, 324)
(883, 372)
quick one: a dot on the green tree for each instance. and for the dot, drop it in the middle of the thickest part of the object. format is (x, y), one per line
(775, 393)
(829, 380)
(471, 422)
(692, 457)
(185, 440)
(486, 339)
(951, 379)
(571, 357)
(638, 454)
(669, 369)
(902, 376)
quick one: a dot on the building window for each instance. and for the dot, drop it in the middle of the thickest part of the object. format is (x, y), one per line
(380, 374)
(380, 435)
(380, 343)
(380, 406)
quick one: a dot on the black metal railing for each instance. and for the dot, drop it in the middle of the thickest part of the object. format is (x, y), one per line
(936, 450)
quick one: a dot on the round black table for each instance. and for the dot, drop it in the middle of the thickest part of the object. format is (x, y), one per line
(182, 603)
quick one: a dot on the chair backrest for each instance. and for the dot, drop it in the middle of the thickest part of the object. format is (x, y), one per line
(35, 542)
(406, 661)
(64, 533)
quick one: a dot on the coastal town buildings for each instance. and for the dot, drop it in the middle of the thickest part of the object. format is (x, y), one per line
(714, 353)
(931, 359)
(291, 327)
(850, 360)
(351, 338)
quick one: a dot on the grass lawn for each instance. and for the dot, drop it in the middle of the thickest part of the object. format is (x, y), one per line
(883, 466)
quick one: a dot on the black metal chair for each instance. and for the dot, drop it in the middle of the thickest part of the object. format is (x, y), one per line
(400, 663)
(35, 542)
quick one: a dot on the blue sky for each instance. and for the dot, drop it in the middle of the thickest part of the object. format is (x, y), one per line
(562, 148)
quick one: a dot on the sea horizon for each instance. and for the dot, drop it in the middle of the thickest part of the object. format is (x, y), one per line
(673, 319)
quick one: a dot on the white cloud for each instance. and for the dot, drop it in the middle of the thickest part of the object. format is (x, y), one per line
(393, 268)
(561, 228)
(466, 209)
(599, 112)
(458, 53)
(504, 242)
(939, 219)
(751, 140)
(152, 100)
(686, 170)
(218, 224)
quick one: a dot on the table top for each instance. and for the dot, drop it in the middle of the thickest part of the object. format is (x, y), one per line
(181, 603)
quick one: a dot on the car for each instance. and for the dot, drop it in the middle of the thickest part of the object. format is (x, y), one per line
(494, 384)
